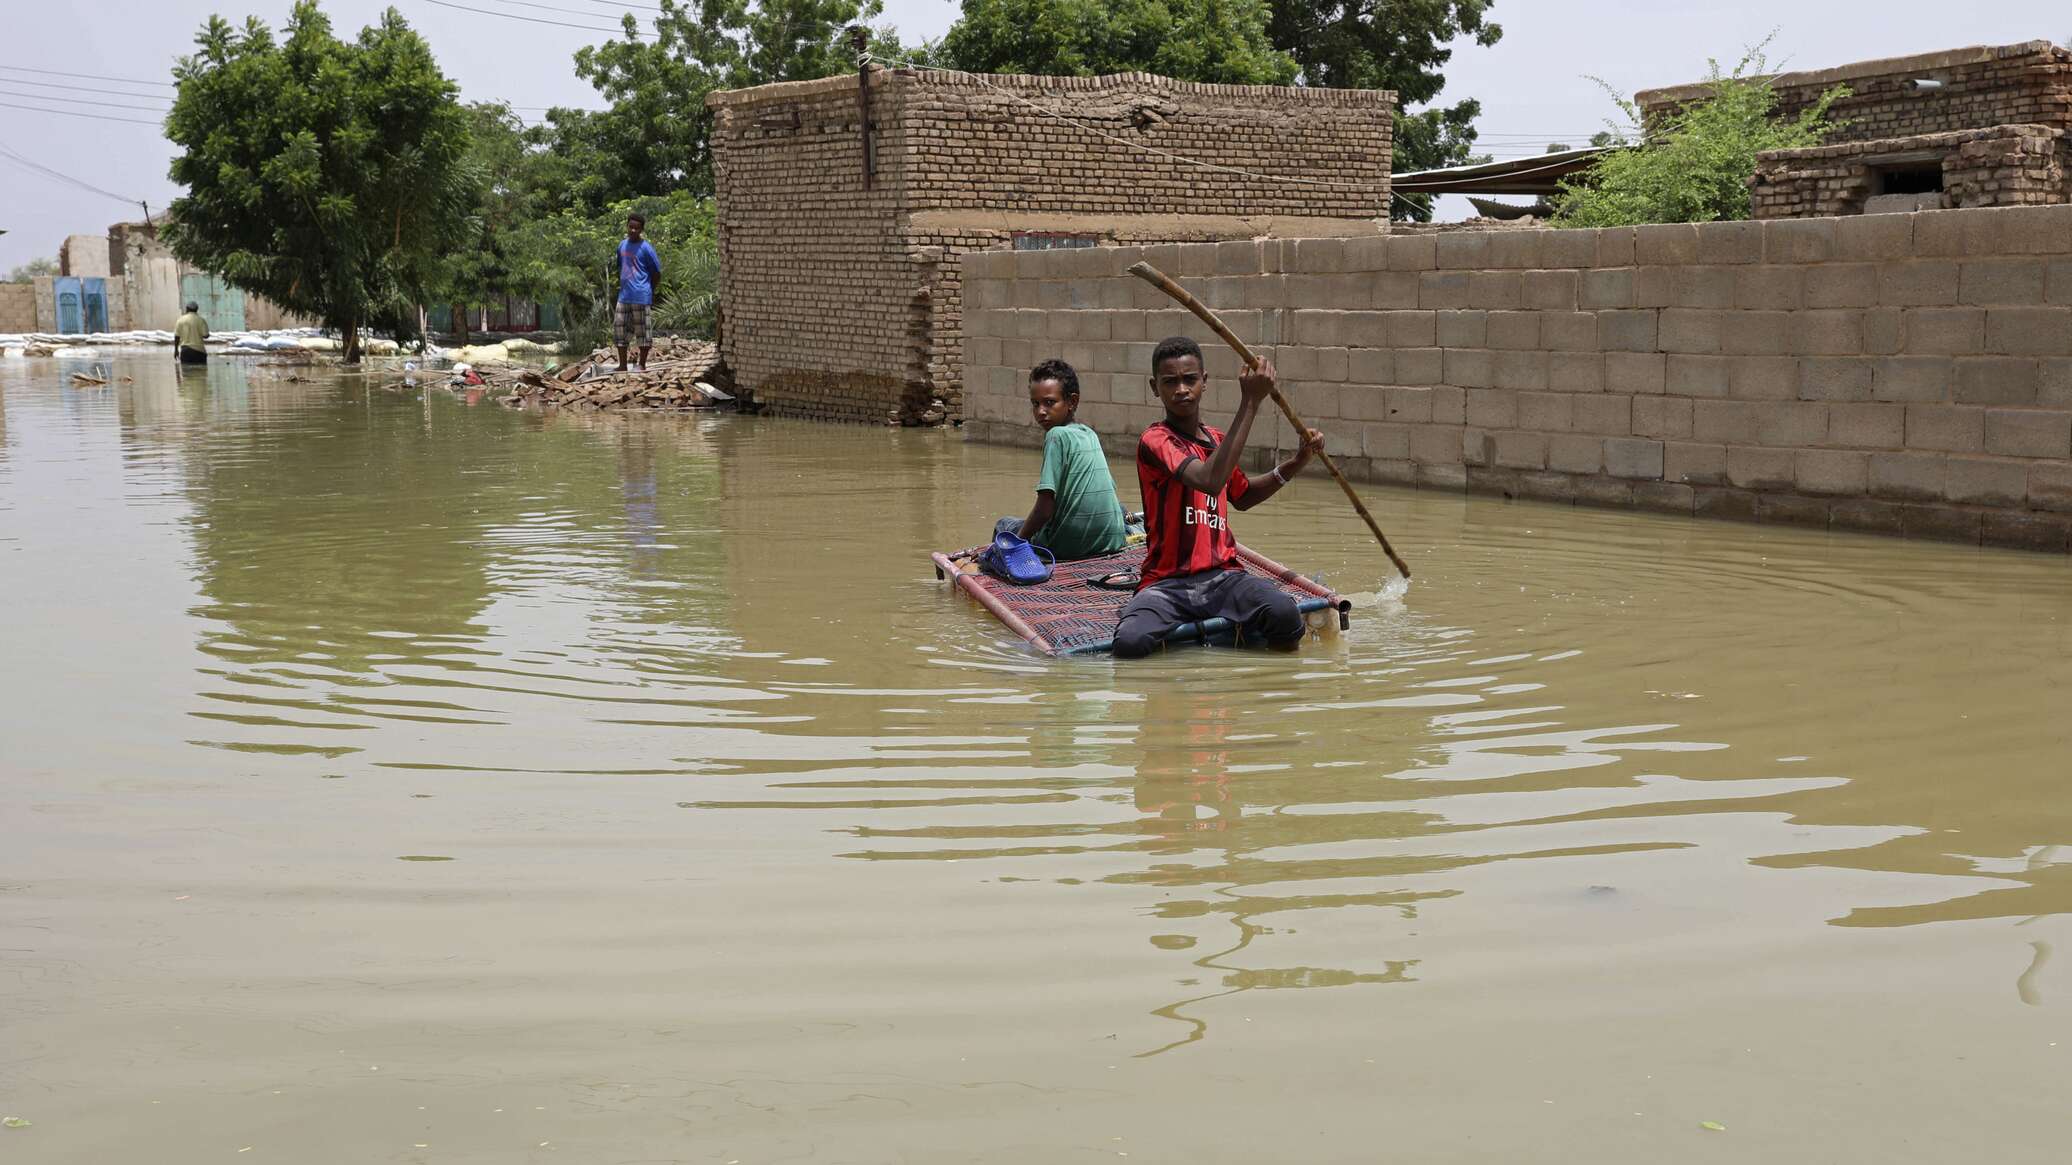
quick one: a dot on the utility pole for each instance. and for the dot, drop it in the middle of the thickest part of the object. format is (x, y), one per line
(860, 38)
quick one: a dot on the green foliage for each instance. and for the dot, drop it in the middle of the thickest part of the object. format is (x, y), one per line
(28, 271)
(1400, 45)
(571, 256)
(1695, 165)
(1220, 41)
(511, 194)
(656, 136)
(330, 177)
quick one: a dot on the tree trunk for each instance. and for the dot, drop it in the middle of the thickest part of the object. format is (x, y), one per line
(460, 322)
(352, 343)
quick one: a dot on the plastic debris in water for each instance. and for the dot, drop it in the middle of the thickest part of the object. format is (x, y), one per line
(13, 1122)
(1715, 1126)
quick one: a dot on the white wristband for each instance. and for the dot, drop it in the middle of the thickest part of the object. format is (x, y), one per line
(1276, 475)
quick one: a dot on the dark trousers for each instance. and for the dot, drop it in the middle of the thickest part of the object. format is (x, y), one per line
(193, 355)
(1261, 611)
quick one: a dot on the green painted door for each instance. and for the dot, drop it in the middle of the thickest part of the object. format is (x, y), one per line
(222, 305)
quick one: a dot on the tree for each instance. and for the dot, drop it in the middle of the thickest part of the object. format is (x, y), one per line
(329, 177)
(1399, 45)
(656, 137)
(28, 271)
(1192, 40)
(512, 191)
(1696, 163)
(567, 255)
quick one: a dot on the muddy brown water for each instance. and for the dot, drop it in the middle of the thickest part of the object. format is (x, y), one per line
(384, 779)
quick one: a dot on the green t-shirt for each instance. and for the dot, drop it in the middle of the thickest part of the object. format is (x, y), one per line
(1088, 519)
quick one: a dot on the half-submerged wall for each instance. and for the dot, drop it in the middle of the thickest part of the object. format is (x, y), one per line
(1901, 373)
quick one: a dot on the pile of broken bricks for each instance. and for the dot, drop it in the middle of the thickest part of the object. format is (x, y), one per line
(681, 375)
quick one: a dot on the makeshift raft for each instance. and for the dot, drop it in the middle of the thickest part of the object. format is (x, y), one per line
(1070, 615)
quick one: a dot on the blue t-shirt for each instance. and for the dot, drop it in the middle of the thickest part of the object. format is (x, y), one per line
(639, 269)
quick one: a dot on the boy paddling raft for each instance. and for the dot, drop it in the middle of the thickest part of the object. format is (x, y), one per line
(1191, 481)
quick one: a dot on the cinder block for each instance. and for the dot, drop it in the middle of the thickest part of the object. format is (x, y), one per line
(1463, 250)
(1702, 287)
(1627, 331)
(1827, 333)
(1492, 408)
(2019, 230)
(1867, 426)
(1884, 331)
(1467, 367)
(1520, 450)
(1410, 405)
(1737, 505)
(1420, 365)
(1292, 361)
(1244, 257)
(2054, 385)
(1570, 248)
(1606, 287)
(1546, 412)
(1997, 380)
(1575, 453)
(1435, 444)
(1697, 375)
(1383, 441)
(1316, 401)
(1409, 329)
(1799, 240)
(1436, 476)
(1831, 471)
(1913, 379)
(1830, 285)
(1477, 447)
(1691, 331)
(1635, 372)
(1769, 288)
(1449, 404)
(1660, 417)
(1945, 331)
(1514, 329)
(1463, 328)
(1763, 377)
(1598, 490)
(1371, 366)
(1549, 290)
(1332, 365)
(1606, 415)
(1654, 286)
(1939, 233)
(1314, 256)
(1982, 481)
(1367, 253)
(1866, 516)
(1999, 282)
(1442, 289)
(1730, 242)
(1948, 428)
(1521, 370)
(1922, 283)
(2057, 283)
(1495, 290)
(1363, 401)
(1874, 237)
(1393, 290)
(2025, 531)
(1664, 497)
(1694, 464)
(1575, 371)
(1943, 523)
(1569, 331)
(1634, 458)
(1836, 377)
(2029, 433)
(1792, 424)
(1615, 247)
(2029, 331)
(1665, 244)
(1760, 469)
(1727, 422)
(2050, 487)
(1411, 252)
(1761, 333)
(1516, 248)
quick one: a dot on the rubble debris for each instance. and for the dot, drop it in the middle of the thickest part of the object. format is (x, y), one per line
(681, 375)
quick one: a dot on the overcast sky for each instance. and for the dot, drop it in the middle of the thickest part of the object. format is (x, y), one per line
(1532, 84)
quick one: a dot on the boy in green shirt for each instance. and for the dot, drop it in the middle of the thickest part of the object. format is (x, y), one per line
(1076, 514)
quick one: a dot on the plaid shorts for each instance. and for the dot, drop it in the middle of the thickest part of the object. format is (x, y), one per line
(631, 320)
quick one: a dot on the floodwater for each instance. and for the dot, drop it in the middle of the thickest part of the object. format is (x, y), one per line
(388, 780)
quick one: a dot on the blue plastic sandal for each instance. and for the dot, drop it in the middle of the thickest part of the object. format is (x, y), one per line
(1017, 560)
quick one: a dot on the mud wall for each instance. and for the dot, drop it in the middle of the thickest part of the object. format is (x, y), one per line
(1900, 373)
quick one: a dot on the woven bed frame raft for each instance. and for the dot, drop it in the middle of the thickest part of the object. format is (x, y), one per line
(1070, 615)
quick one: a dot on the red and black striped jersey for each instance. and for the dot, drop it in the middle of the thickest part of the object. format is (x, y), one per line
(1186, 530)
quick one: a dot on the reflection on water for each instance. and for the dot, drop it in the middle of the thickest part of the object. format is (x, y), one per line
(718, 817)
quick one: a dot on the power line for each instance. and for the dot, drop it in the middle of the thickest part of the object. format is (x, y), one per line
(70, 113)
(82, 89)
(527, 19)
(552, 8)
(80, 101)
(9, 153)
(85, 76)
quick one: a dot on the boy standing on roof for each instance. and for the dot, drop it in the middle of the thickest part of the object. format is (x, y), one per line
(1191, 482)
(1076, 514)
(639, 270)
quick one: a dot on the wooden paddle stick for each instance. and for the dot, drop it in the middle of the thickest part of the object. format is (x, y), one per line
(1185, 298)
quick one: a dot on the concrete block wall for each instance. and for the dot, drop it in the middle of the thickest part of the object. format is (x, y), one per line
(1903, 373)
(17, 307)
(847, 303)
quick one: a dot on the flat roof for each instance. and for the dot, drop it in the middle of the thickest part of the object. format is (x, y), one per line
(1537, 175)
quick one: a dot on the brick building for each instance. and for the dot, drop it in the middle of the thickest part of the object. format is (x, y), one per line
(1981, 126)
(841, 292)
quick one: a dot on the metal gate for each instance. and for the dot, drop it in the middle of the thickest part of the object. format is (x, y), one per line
(222, 305)
(71, 316)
